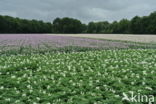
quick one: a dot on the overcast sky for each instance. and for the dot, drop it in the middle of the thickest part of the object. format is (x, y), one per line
(85, 10)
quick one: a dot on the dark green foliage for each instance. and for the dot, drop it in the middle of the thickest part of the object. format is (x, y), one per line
(15, 25)
(151, 23)
(144, 25)
(68, 25)
(137, 25)
(91, 27)
(123, 26)
(99, 27)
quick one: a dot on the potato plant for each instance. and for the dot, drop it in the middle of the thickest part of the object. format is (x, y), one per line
(93, 77)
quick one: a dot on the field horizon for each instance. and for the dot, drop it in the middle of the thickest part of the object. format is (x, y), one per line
(78, 52)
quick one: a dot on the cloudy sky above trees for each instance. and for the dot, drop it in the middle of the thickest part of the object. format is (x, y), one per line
(85, 10)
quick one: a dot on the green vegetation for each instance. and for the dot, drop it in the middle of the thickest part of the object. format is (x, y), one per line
(15, 25)
(99, 77)
(68, 25)
(137, 25)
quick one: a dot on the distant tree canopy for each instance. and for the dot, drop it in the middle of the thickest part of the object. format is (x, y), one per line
(98, 27)
(15, 25)
(68, 25)
(137, 25)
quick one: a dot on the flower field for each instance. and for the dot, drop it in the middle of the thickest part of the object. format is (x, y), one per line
(42, 43)
(147, 38)
(51, 69)
(93, 77)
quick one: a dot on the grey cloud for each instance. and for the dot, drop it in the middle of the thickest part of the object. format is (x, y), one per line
(85, 10)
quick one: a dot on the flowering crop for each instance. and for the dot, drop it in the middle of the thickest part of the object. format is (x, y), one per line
(52, 41)
(35, 43)
(93, 77)
(128, 37)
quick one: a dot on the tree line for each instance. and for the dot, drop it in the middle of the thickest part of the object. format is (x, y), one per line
(137, 25)
(16, 25)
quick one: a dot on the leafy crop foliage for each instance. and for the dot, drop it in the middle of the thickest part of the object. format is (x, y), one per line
(99, 77)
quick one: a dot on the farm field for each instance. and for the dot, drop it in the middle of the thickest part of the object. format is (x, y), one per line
(124, 37)
(35, 43)
(63, 69)
(93, 77)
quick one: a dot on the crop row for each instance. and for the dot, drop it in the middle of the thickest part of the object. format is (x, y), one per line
(93, 77)
(37, 43)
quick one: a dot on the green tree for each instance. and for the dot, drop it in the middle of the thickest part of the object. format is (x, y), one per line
(151, 26)
(67, 25)
(136, 25)
(91, 27)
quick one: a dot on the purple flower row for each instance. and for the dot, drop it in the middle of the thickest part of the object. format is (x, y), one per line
(53, 41)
